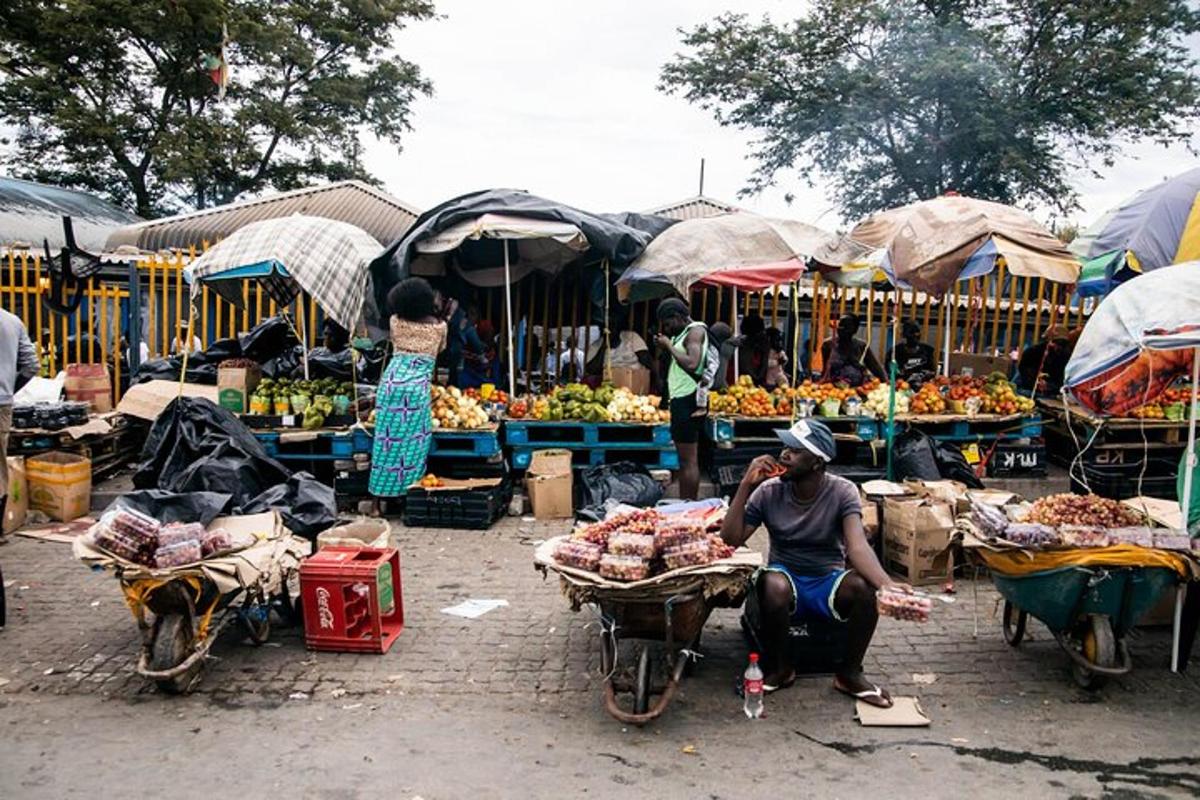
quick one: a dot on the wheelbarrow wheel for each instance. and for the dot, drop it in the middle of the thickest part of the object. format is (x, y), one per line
(173, 644)
(1098, 645)
(641, 689)
(1014, 624)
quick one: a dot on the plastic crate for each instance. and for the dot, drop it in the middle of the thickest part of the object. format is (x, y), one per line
(1122, 482)
(352, 599)
(1018, 461)
(472, 509)
(609, 435)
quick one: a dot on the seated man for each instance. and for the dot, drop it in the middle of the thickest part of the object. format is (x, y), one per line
(814, 521)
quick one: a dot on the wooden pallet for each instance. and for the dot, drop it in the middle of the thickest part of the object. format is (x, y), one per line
(731, 430)
(1114, 429)
(650, 457)
(571, 434)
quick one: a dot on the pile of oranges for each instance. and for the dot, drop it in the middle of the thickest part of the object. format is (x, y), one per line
(431, 481)
(1149, 411)
(820, 392)
(928, 400)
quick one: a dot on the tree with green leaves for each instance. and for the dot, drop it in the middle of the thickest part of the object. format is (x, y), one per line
(900, 100)
(116, 96)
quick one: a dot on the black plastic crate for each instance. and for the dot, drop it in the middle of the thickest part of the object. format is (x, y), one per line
(1120, 483)
(475, 509)
(1018, 461)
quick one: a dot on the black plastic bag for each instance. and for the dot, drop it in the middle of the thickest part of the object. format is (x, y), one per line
(202, 507)
(952, 465)
(324, 364)
(288, 364)
(623, 481)
(306, 505)
(167, 369)
(195, 445)
(220, 350)
(913, 457)
(267, 340)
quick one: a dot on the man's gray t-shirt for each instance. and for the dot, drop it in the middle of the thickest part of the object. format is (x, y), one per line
(805, 537)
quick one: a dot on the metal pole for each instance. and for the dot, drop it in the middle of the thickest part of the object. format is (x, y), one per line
(946, 353)
(303, 330)
(737, 325)
(512, 362)
(135, 318)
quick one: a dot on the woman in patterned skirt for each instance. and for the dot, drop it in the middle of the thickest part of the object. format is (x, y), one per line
(403, 416)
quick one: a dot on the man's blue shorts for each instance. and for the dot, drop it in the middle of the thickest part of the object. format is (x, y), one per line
(812, 595)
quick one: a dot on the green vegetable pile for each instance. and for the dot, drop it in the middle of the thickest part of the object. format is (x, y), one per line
(312, 398)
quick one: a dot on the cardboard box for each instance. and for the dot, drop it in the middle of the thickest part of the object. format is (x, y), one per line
(980, 366)
(917, 535)
(870, 518)
(89, 383)
(235, 385)
(60, 485)
(635, 379)
(148, 400)
(18, 495)
(549, 483)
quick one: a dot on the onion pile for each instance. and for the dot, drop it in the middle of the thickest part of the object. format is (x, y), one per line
(1081, 509)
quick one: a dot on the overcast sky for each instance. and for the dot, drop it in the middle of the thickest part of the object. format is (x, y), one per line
(559, 98)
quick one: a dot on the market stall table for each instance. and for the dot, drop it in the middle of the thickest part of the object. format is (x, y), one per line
(1114, 454)
(110, 441)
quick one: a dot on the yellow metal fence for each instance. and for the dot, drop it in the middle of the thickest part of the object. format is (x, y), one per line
(991, 314)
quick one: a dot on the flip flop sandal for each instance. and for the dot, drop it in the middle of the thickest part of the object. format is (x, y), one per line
(866, 695)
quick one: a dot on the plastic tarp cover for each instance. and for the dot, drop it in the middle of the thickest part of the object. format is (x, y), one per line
(166, 507)
(267, 339)
(615, 237)
(196, 446)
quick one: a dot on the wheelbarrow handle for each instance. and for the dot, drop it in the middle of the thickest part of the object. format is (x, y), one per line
(615, 711)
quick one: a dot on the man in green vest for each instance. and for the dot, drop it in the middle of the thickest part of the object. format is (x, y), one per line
(687, 343)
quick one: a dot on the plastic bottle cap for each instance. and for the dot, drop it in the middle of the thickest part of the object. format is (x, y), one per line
(754, 658)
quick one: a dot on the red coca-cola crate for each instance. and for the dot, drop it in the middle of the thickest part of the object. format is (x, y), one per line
(352, 599)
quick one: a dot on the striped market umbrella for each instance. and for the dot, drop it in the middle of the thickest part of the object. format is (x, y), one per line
(1157, 227)
(326, 258)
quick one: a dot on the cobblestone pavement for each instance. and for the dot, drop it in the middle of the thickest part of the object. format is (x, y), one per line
(520, 687)
(69, 632)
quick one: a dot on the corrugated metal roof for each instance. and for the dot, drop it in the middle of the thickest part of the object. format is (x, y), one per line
(693, 208)
(31, 212)
(376, 212)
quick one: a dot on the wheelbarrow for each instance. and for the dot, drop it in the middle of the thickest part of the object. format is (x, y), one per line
(1090, 611)
(668, 610)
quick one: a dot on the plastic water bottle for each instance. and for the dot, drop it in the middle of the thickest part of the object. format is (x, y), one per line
(752, 689)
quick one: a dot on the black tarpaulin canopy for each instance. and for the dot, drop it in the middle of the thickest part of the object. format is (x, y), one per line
(496, 237)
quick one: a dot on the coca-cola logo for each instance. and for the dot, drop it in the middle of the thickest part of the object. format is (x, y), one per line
(324, 613)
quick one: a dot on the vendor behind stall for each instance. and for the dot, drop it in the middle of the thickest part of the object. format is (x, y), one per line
(1043, 365)
(403, 420)
(686, 344)
(915, 360)
(847, 359)
(754, 349)
(814, 521)
(627, 348)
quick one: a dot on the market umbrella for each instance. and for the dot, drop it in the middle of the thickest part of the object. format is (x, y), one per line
(932, 244)
(740, 249)
(326, 258)
(470, 245)
(1156, 227)
(1143, 337)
